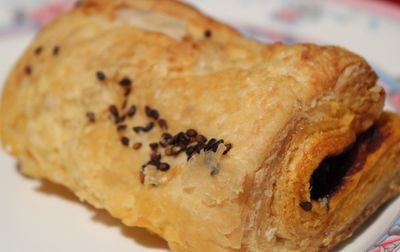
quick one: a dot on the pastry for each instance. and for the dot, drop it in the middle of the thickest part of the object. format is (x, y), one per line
(175, 122)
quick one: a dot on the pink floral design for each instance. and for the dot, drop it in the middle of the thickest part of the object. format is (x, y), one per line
(391, 243)
(49, 12)
(289, 15)
(396, 99)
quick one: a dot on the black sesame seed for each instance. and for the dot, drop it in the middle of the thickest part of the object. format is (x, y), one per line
(199, 147)
(131, 111)
(306, 206)
(152, 113)
(183, 139)
(210, 144)
(137, 146)
(164, 167)
(201, 139)
(163, 124)
(120, 119)
(147, 110)
(166, 136)
(122, 127)
(125, 81)
(191, 133)
(174, 140)
(153, 146)
(163, 144)
(153, 155)
(100, 75)
(125, 141)
(155, 114)
(38, 50)
(189, 151)
(138, 129)
(214, 148)
(165, 139)
(228, 148)
(156, 158)
(208, 33)
(148, 127)
(56, 50)
(114, 111)
(28, 70)
(91, 116)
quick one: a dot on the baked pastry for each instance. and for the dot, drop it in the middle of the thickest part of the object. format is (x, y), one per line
(174, 122)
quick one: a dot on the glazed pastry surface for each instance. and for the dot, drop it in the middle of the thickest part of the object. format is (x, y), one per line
(175, 122)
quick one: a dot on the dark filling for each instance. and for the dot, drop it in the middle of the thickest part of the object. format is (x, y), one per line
(331, 172)
(329, 175)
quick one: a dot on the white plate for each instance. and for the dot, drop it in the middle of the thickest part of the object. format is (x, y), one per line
(39, 216)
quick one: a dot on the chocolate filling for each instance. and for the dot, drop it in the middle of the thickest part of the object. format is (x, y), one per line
(327, 179)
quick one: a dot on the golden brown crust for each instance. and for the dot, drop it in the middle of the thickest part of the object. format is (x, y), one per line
(284, 109)
(372, 178)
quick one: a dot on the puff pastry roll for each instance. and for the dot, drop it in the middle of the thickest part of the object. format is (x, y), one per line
(176, 123)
